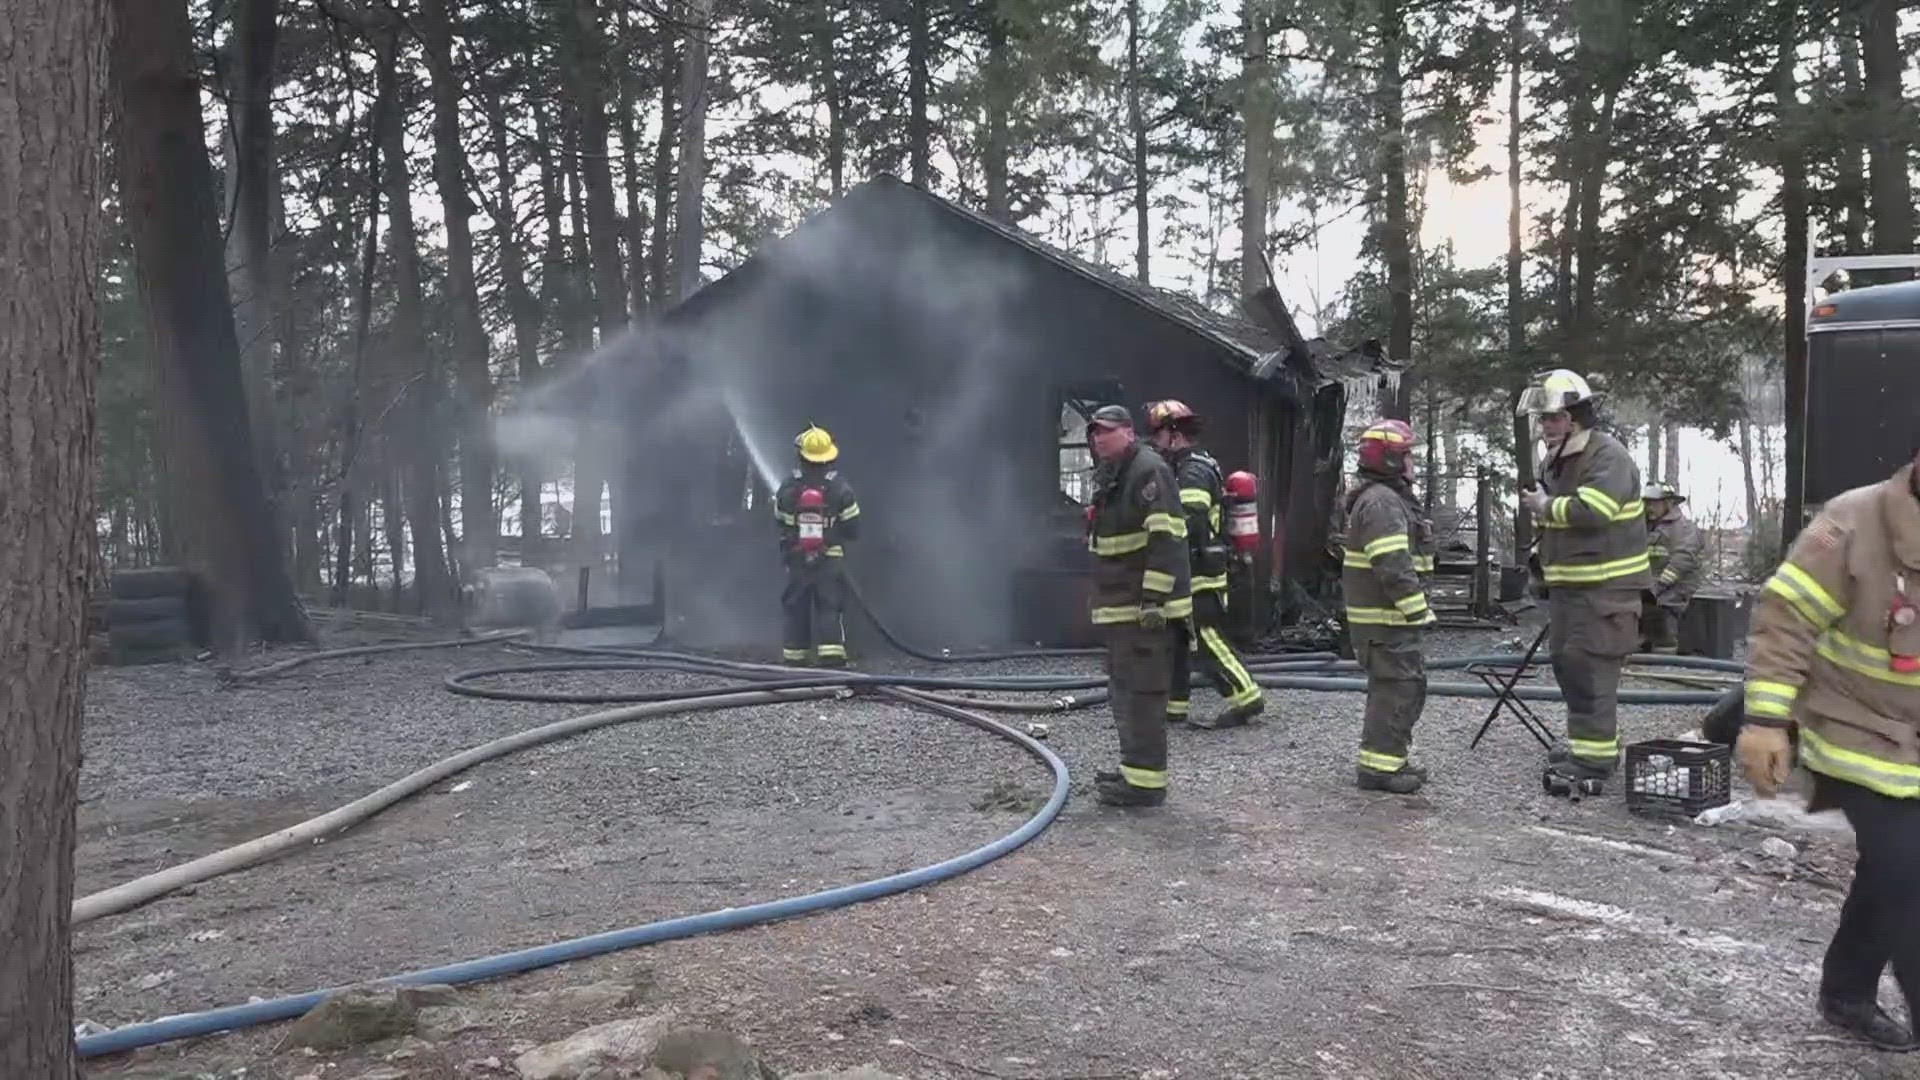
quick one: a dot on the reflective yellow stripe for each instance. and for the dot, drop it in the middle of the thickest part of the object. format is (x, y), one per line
(1162, 522)
(1657, 551)
(1199, 498)
(1603, 504)
(1378, 762)
(831, 650)
(1144, 778)
(1366, 616)
(1559, 508)
(793, 654)
(1876, 774)
(1236, 672)
(1594, 573)
(1668, 577)
(1130, 613)
(1805, 596)
(1179, 707)
(786, 518)
(1118, 543)
(1411, 606)
(1388, 544)
(1631, 511)
(1423, 563)
(1773, 700)
(835, 552)
(1157, 581)
(1356, 560)
(852, 511)
(1594, 749)
(1210, 584)
(1844, 650)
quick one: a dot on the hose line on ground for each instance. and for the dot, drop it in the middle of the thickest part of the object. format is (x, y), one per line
(192, 1025)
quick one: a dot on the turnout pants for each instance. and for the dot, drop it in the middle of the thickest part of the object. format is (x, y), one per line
(1139, 675)
(1659, 625)
(812, 605)
(1878, 926)
(1590, 634)
(1396, 692)
(1201, 636)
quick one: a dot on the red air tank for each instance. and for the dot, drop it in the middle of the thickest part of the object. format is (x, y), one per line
(811, 513)
(1242, 501)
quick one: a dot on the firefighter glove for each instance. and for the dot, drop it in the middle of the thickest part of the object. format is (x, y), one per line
(1152, 617)
(1536, 500)
(1766, 755)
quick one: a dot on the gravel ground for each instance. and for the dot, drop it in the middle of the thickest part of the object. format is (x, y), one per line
(1270, 921)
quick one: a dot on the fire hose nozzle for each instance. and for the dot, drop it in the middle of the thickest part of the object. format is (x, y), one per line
(1062, 704)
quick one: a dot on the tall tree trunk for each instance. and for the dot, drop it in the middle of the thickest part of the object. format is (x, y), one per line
(588, 74)
(1655, 432)
(393, 524)
(1137, 124)
(1746, 474)
(473, 374)
(1593, 183)
(1850, 181)
(1790, 144)
(919, 60)
(1397, 240)
(1670, 468)
(1888, 140)
(664, 150)
(636, 223)
(167, 188)
(1000, 91)
(523, 310)
(589, 476)
(557, 278)
(354, 469)
(1516, 279)
(52, 103)
(689, 211)
(411, 422)
(1257, 107)
(252, 176)
(826, 30)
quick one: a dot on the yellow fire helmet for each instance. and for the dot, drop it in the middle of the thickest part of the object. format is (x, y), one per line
(1554, 391)
(816, 445)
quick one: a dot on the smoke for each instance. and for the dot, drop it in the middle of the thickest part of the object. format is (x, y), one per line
(902, 335)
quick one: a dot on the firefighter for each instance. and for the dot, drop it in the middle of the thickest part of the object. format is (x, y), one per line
(812, 545)
(1174, 429)
(1593, 558)
(1388, 544)
(1675, 552)
(1140, 591)
(1835, 648)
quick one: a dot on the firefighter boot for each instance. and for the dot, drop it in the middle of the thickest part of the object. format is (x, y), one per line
(1405, 781)
(1867, 1021)
(1232, 715)
(1570, 779)
(1112, 789)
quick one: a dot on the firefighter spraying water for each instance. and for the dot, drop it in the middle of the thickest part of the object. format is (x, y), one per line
(818, 515)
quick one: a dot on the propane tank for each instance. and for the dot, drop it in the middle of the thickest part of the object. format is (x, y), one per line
(1242, 499)
(812, 517)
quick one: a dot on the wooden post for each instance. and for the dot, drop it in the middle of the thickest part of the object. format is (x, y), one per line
(1483, 595)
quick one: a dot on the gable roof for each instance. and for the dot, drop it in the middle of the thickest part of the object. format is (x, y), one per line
(1239, 342)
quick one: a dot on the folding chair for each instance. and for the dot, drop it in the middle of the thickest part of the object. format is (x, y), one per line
(1501, 679)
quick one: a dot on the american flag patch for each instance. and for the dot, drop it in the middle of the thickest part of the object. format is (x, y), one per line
(1822, 535)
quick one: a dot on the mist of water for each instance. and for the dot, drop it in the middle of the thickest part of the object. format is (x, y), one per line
(839, 331)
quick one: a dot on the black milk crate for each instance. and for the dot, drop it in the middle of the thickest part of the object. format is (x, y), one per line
(1676, 777)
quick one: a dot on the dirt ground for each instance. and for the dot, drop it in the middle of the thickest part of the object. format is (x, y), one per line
(1269, 921)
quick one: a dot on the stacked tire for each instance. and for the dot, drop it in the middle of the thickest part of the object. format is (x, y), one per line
(150, 614)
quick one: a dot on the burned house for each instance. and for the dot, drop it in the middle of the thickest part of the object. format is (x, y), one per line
(954, 360)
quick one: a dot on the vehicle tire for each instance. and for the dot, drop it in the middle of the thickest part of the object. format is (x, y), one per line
(150, 581)
(146, 609)
(159, 633)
